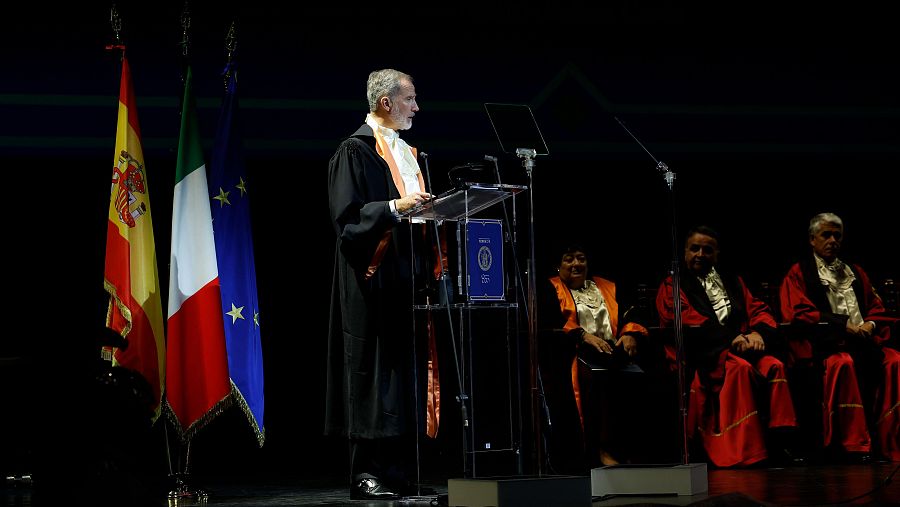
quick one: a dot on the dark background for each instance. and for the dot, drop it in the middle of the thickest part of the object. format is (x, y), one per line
(767, 115)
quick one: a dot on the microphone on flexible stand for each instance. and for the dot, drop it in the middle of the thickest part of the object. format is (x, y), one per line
(678, 323)
(660, 166)
(493, 160)
(424, 156)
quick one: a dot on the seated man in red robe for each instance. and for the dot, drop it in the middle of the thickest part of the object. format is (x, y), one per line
(852, 341)
(728, 334)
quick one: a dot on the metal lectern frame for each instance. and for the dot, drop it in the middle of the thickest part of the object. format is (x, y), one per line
(459, 206)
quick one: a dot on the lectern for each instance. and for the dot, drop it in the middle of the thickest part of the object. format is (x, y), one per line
(482, 316)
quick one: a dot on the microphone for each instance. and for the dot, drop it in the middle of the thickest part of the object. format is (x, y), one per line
(427, 172)
(493, 160)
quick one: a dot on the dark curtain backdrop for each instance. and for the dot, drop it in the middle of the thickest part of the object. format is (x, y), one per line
(766, 117)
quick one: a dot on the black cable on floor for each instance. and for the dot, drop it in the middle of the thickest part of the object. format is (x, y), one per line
(881, 486)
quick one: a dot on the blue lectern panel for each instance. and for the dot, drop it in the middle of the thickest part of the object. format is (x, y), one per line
(484, 246)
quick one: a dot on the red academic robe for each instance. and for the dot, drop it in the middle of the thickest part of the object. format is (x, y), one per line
(803, 301)
(722, 407)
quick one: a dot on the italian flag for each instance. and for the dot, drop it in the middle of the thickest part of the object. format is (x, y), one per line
(197, 383)
(130, 275)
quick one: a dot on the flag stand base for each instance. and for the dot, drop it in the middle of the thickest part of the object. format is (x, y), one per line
(649, 480)
(183, 494)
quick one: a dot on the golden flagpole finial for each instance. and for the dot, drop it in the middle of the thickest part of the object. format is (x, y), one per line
(230, 48)
(230, 42)
(185, 29)
(116, 22)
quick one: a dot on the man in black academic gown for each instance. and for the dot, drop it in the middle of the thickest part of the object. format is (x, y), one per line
(373, 177)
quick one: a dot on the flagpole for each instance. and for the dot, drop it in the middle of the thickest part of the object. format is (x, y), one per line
(183, 490)
(129, 163)
(234, 250)
(168, 450)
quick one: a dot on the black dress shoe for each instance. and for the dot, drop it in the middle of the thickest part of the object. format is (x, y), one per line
(371, 489)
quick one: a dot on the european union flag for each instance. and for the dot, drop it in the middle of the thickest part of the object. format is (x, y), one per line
(229, 190)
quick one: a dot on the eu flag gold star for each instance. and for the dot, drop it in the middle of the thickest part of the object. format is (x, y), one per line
(222, 198)
(235, 313)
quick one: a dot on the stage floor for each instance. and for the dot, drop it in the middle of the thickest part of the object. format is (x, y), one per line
(869, 484)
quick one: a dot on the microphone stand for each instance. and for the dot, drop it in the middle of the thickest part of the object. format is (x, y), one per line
(669, 177)
(527, 155)
(462, 397)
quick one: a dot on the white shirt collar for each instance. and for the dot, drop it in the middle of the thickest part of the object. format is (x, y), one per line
(389, 135)
(406, 162)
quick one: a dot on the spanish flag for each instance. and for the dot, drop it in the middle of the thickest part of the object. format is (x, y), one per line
(130, 274)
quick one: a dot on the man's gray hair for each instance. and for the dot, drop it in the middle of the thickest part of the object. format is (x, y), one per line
(824, 218)
(384, 83)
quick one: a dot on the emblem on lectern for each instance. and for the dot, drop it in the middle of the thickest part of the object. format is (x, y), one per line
(484, 258)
